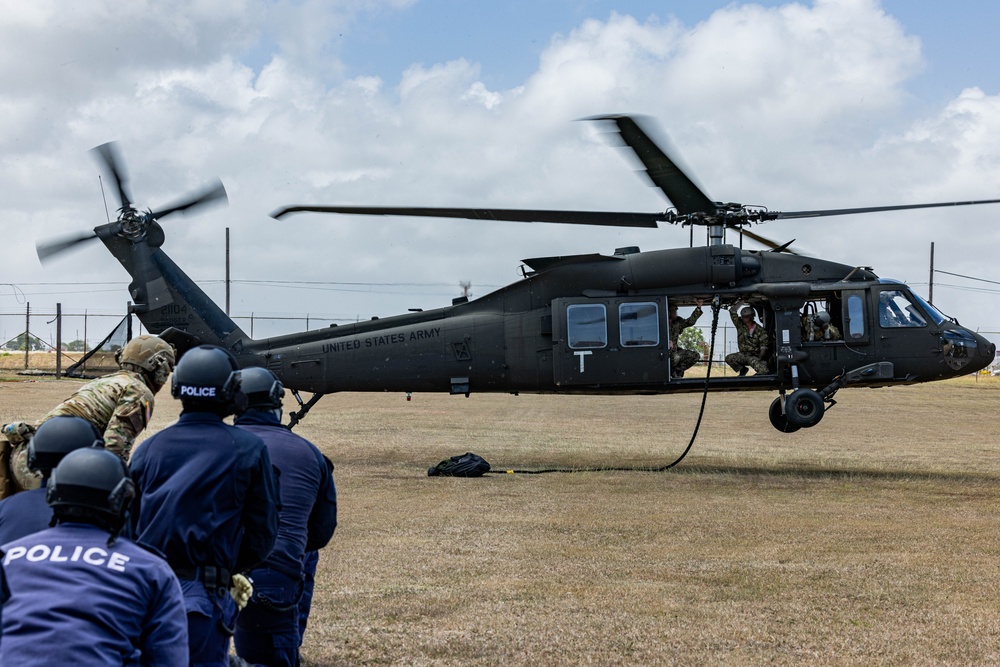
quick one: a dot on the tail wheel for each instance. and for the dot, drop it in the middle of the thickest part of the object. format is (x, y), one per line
(778, 418)
(804, 408)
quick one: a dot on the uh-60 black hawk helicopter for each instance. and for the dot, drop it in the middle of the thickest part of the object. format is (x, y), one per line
(583, 324)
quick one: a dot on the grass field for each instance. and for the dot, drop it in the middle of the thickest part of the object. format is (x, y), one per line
(871, 539)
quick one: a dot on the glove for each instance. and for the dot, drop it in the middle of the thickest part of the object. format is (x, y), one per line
(18, 433)
(241, 590)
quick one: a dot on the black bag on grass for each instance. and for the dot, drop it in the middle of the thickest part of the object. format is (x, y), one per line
(466, 465)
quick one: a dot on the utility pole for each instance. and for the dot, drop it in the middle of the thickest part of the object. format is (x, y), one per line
(930, 290)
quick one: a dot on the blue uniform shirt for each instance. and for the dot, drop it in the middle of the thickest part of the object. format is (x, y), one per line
(308, 494)
(73, 600)
(24, 513)
(206, 494)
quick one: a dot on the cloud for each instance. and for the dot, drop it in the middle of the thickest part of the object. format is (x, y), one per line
(793, 107)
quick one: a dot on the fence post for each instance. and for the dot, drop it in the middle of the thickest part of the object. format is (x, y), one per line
(58, 340)
(27, 335)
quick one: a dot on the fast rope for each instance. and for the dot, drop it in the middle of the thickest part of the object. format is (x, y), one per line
(716, 306)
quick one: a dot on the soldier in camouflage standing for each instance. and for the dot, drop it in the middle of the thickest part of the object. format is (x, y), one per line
(119, 405)
(680, 358)
(752, 340)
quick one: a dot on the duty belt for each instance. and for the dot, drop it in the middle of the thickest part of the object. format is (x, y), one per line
(210, 575)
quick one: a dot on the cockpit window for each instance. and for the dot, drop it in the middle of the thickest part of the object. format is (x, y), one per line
(935, 314)
(896, 309)
(587, 325)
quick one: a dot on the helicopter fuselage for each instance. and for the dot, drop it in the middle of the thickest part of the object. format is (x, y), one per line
(589, 324)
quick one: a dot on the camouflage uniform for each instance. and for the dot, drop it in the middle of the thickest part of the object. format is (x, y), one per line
(752, 345)
(680, 358)
(120, 405)
(819, 332)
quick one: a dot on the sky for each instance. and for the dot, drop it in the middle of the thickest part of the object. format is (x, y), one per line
(794, 106)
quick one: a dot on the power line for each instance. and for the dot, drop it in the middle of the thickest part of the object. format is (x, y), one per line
(959, 275)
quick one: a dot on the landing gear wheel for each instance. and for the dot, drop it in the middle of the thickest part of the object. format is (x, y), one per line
(778, 418)
(804, 408)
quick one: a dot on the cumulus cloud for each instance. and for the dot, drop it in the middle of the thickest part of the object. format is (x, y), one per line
(794, 107)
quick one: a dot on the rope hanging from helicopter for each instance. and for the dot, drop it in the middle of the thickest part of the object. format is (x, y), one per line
(716, 307)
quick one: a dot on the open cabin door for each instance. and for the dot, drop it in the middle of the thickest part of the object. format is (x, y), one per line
(609, 341)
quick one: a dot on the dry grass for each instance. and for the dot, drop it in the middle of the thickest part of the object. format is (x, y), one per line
(868, 540)
(14, 362)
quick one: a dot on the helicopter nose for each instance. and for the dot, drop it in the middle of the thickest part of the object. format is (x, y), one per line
(966, 351)
(989, 350)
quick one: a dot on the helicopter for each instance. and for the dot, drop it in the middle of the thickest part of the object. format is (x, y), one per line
(583, 324)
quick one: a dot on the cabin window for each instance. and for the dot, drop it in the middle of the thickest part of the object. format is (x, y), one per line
(896, 310)
(639, 324)
(587, 326)
(855, 316)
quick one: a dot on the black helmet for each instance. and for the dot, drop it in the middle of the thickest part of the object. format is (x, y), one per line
(57, 437)
(93, 485)
(206, 374)
(262, 387)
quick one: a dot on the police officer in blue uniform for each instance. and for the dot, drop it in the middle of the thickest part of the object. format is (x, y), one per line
(207, 498)
(76, 594)
(268, 629)
(28, 512)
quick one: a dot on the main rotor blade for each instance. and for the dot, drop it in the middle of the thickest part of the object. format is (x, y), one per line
(608, 218)
(48, 249)
(662, 171)
(207, 195)
(875, 209)
(108, 154)
(763, 240)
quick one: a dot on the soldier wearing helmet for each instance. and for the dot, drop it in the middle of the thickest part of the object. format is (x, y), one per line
(119, 405)
(268, 629)
(818, 327)
(25, 513)
(680, 358)
(76, 593)
(752, 340)
(207, 497)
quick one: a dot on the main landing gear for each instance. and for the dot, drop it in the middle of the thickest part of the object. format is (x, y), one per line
(804, 408)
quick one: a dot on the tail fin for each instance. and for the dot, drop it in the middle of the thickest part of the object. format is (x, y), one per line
(165, 299)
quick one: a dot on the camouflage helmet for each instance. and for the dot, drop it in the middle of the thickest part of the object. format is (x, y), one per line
(746, 311)
(151, 354)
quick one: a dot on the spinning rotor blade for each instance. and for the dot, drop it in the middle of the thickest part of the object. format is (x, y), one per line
(780, 247)
(662, 171)
(608, 218)
(47, 250)
(109, 156)
(874, 209)
(210, 194)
